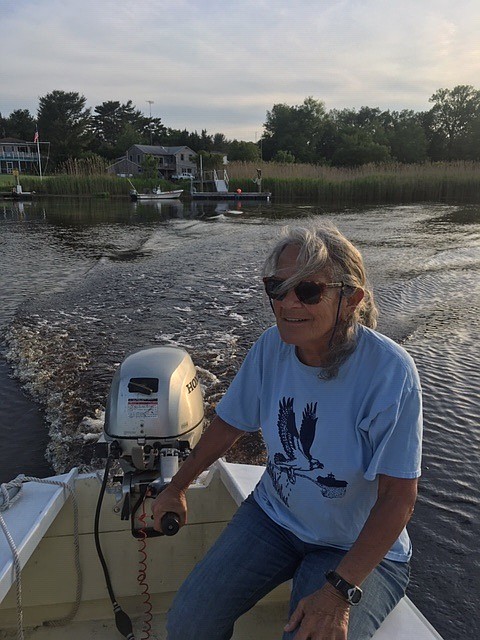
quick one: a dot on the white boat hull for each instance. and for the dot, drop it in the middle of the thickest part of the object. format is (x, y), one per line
(157, 195)
(41, 524)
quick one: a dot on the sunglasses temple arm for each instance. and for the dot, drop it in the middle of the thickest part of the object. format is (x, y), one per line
(336, 318)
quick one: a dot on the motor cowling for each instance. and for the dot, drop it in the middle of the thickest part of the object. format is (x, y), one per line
(154, 408)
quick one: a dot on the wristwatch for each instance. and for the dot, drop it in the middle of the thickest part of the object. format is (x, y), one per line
(350, 592)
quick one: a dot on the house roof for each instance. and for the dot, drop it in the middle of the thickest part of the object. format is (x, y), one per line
(13, 141)
(123, 160)
(159, 150)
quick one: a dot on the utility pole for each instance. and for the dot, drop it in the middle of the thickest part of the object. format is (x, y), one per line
(150, 102)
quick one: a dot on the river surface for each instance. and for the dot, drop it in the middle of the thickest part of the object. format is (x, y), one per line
(84, 282)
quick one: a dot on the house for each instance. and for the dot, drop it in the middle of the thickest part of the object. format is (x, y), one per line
(19, 155)
(171, 160)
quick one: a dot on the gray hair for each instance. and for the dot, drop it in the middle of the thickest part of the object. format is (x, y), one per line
(322, 247)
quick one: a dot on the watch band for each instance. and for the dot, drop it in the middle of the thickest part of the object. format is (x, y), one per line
(350, 592)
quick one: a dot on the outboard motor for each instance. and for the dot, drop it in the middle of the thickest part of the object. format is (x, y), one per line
(154, 417)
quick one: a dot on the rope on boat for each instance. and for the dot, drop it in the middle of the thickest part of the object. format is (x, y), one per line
(8, 500)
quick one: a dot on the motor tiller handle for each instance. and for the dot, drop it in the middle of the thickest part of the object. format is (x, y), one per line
(170, 523)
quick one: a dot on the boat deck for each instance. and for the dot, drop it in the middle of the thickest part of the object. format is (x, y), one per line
(262, 623)
(41, 524)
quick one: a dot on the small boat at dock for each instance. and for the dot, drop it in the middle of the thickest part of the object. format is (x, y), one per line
(155, 194)
(17, 193)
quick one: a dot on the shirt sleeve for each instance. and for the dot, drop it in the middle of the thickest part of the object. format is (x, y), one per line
(395, 436)
(240, 406)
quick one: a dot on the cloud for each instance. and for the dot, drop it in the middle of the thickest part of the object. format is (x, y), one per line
(221, 65)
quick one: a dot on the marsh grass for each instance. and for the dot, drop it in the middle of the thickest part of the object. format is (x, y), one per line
(6, 180)
(394, 183)
(103, 185)
(370, 184)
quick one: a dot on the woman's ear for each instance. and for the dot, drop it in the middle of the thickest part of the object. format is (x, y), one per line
(354, 300)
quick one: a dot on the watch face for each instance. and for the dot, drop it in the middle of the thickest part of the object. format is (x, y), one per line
(354, 595)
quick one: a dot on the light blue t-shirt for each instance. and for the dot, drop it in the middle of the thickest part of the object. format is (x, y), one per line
(327, 440)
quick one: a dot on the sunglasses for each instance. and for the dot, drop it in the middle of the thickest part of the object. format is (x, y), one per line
(306, 292)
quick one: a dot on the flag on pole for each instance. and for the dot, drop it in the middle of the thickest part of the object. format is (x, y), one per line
(35, 137)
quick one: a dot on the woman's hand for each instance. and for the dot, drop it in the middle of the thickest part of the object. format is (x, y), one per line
(170, 499)
(323, 615)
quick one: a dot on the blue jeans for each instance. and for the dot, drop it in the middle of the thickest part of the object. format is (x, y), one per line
(251, 557)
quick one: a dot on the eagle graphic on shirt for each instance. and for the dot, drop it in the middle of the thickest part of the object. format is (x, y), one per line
(296, 461)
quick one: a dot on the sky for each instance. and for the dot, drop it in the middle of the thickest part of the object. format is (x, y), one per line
(220, 65)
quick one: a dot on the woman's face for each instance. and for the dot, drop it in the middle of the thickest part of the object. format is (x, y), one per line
(308, 326)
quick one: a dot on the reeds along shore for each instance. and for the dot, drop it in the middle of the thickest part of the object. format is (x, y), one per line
(371, 184)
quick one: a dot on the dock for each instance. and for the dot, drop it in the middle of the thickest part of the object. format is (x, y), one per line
(231, 195)
(214, 186)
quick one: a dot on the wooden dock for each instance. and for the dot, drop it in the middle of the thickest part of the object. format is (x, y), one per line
(231, 195)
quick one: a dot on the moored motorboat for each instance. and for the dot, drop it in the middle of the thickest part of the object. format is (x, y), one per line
(155, 194)
(17, 193)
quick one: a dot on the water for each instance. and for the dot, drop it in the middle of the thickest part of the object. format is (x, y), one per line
(85, 282)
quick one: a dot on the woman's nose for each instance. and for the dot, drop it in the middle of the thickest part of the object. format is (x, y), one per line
(291, 299)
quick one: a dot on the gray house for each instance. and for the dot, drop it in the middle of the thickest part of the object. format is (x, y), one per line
(171, 160)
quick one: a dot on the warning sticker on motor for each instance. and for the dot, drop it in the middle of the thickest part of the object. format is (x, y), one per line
(142, 408)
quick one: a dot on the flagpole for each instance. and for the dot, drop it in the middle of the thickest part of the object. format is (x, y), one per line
(38, 152)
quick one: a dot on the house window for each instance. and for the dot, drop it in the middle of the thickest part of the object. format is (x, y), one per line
(182, 156)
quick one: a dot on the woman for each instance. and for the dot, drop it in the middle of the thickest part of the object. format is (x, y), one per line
(339, 406)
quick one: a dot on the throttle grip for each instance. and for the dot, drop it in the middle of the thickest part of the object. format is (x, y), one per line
(170, 523)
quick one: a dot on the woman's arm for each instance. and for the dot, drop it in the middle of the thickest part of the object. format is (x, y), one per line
(390, 514)
(324, 614)
(215, 441)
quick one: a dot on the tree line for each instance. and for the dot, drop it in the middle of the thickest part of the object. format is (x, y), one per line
(450, 130)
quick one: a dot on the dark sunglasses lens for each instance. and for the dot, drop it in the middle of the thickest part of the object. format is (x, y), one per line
(271, 288)
(309, 292)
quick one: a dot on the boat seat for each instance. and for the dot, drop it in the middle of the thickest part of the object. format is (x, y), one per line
(40, 503)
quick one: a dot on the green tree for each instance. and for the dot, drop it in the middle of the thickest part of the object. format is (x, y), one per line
(361, 136)
(150, 166)
(296, 129)
(20, 124)
(220, 143)
(358, 147)
(408, 141)
(210, 161)
(243, 151)
(452, 115)
(112, 120)
(64, 121)
(108, 122)
(472, 144)
(127, 137)
(284, 157)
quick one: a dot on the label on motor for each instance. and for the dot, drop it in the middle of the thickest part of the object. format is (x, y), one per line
(142, 408)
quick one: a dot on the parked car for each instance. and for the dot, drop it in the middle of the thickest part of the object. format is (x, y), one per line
(183, 176)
